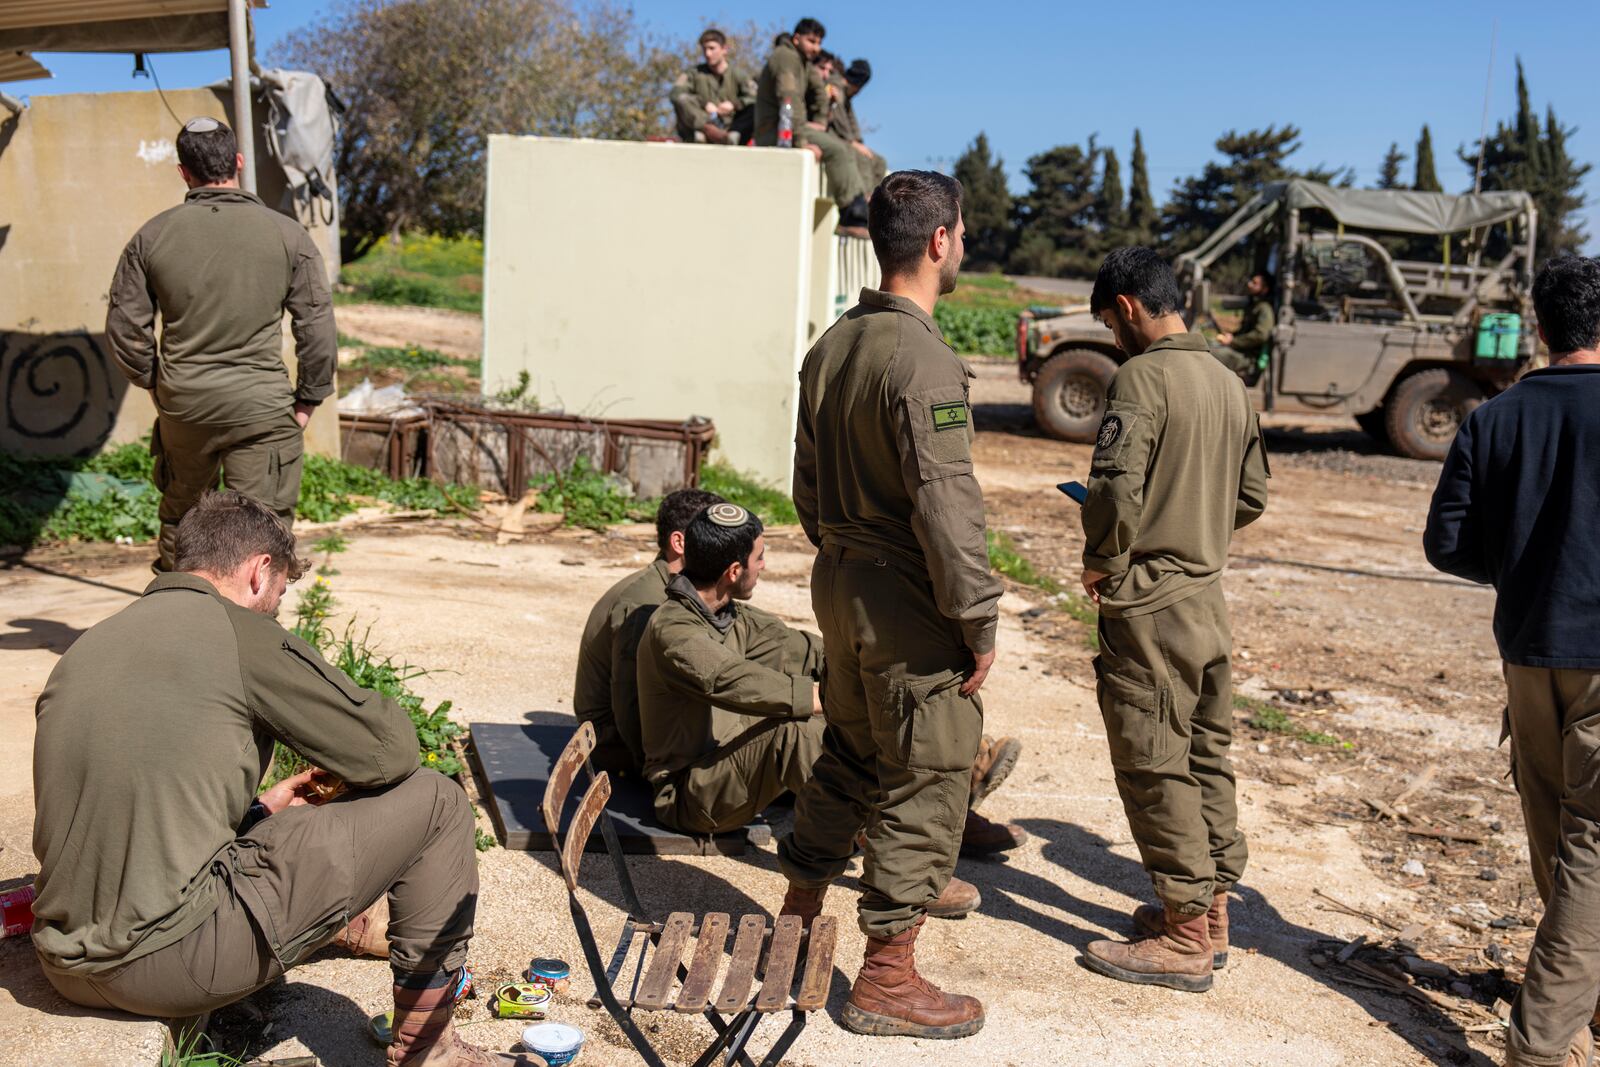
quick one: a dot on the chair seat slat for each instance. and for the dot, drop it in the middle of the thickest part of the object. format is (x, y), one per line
(657, 986)
(819, 965)
(779, 973)
(713, 938)
(735, 993)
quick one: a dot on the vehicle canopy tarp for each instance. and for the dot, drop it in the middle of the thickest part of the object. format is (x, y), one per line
(1403, 211)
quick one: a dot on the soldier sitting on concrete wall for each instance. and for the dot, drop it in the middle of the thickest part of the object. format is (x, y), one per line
(605, 692)
(221, 269)
(729, 706)
(848, 81)
(714, 103)
(167, 886)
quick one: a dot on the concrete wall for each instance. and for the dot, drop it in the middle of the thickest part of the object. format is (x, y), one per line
(78, 175)
(659, 281)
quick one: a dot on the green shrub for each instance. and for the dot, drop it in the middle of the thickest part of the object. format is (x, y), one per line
(772, 505)
(327, 487)
(422, 269)
(990, 331)
(587, 497)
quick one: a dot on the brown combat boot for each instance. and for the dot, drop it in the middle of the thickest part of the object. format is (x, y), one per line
(984, 837)
(1149, 920)
(806, 903)
(1581, 1052)
(1178, 958)
(957, 901)
(425, 1036)
(891, 999)
(714, 134)
(995, 761)
(368, 933)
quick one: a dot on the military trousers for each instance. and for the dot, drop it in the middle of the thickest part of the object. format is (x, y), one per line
(900, 740)
(873, 167)
(1164, 681)
(262, 460)
(1236, 361)
(725, 793)
(846, 177)
(1553, 720)
(294, 880)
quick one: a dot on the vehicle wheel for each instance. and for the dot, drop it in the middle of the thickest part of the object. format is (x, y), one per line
(1375, 424)
(1069, 394)
(1426, 409)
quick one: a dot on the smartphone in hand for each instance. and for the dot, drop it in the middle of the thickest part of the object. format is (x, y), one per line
(1076, 490)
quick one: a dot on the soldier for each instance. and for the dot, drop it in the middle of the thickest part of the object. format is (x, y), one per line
(605, 692)
(728, 702)
(821, 91)
(1516, 507)
(784, 81)
(167, 887)
(902, 590)
(1245, 352)
(222, 268)
(713, 102)
(1157, 524)
(846, 126)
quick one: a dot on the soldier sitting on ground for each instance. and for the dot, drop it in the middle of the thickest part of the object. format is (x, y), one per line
(714, 103)
(605, 692)
(1242, 351)
(729, 706)
(167, 887)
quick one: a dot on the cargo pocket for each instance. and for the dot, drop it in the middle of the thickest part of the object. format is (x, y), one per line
(943, 728)
(284, 475)
(1135, 715)
(160, 473)
(297, 912)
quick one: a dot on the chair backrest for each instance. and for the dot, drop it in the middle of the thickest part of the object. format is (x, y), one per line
(569, 852)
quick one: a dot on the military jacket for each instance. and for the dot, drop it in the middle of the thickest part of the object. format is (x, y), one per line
(783, 77)
(819, 100)
(153, 733)
(843, 123)
(1179, 464)
(700, 85)
(222, 268)
(606, 691)
(700, 685)
(1255, 331)
(883, 456)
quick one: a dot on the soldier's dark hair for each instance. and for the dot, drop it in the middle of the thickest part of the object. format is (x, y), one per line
(905, 210)
(826, 56)
(1266, 277)
(710, 549)
(810, 28)
(1140, 273)
(713, 34)
(210, 155)
(225, 528)
(678, 509)
(1566, 297)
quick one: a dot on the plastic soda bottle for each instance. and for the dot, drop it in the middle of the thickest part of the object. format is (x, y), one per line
(786, 124)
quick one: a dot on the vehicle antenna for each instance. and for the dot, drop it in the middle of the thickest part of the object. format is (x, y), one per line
(1483, 129)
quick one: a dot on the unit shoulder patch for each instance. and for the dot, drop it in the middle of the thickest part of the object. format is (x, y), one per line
(1110, 431)
(951, 415)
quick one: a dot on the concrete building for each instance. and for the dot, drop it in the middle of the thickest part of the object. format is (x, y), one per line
(664, 281)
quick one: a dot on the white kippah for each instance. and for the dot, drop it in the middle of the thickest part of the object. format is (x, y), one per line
(203, 124)
(729, 515)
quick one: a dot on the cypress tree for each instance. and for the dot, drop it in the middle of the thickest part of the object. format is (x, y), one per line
(1141, 205)
(1427, 180)
(1389, 169)
(1113, 214)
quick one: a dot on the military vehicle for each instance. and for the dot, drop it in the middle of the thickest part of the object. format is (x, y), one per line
(1366, 326)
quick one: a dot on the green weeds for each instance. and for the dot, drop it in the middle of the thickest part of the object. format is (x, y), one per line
(1006, 560)
(425, 270)
(1272, 719)
(330, 488)
(587, 497)
(772, 505)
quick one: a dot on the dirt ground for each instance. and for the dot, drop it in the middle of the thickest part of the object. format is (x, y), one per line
(1366, 747)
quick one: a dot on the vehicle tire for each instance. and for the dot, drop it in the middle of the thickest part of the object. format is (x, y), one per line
(1427, 408)
(1069, 394)
(1375, 424)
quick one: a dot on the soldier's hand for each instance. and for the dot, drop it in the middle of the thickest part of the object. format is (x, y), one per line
(981, 662)
(814, 150)
(302, 413)
(1225, 338)
(816, 700)
(289, 793)
(816, 125)
(711, 107)
(1091, 583)
(725, 108)
(860, 147)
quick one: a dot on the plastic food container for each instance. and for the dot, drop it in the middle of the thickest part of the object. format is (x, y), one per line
(558, 1043)
(554, 974)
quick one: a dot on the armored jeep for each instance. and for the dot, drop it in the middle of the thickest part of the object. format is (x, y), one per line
(1366, 326)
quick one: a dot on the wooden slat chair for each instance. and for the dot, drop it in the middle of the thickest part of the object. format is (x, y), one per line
(774, 951)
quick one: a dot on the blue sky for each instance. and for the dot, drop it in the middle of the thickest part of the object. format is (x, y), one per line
(1353, 76)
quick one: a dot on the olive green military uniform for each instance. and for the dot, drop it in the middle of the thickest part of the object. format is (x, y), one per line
(1242, 355)
(699, 86)
(902, 591)
(1178, 466)
(725, 706)
(605, 691)
(153, 732)
(222, 268)
(786, 76)
(844, 125)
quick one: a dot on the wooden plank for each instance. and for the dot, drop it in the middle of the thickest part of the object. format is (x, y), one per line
(819, 965)
(564, 771)
(708, 946)
(656, 989)
(742, 966)
(594, 803)
(781, 955)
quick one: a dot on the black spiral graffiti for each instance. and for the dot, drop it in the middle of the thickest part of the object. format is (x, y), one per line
(55, 385)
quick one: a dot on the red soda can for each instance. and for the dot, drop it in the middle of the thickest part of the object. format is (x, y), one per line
(16, 911)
